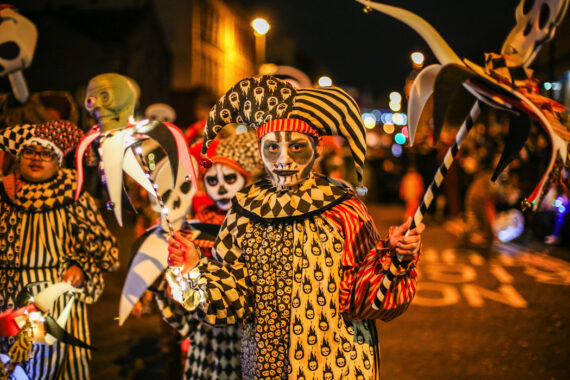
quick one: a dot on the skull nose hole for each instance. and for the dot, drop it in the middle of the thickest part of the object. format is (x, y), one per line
(527, 28)
(222, 190)
(9, 50)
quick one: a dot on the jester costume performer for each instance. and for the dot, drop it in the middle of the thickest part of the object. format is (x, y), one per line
(44, 232)
(214, 352)
(301, 261)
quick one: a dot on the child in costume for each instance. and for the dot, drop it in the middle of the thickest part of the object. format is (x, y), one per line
(214, 352)
(46, 235)
(299, 261)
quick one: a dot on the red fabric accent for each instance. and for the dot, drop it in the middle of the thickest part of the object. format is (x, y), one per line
(366, 260)
(194, 131)
(293, 125)
(211, 214)
(200, 200)
(8, 326)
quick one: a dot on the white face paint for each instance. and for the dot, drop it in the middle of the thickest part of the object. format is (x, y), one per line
(222, 183)
(288, 157)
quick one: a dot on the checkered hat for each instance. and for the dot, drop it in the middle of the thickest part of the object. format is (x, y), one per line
(268, 104)
(61, 136)
(239, 152)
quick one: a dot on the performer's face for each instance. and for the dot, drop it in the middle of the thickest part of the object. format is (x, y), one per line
(222, 183)
(288, 157)
(38, 164)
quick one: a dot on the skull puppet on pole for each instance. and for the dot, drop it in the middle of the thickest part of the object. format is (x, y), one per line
(18, 37)
(504, 84)
(111, 99)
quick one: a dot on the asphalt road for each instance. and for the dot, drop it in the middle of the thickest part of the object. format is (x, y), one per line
(504, 314)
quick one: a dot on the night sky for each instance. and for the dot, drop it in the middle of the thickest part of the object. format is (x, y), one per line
(372, 51)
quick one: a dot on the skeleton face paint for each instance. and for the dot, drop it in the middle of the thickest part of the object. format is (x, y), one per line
(222, 183)
(288, 157)
(111, 99)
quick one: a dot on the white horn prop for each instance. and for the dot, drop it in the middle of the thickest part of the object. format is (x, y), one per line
(421, 91)
(46, 297)
(437, 44)
(112, 152)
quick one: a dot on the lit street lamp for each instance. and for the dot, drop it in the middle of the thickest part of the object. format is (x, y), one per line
(260, 27)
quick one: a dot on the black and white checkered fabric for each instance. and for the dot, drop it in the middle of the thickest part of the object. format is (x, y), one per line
(12, 138)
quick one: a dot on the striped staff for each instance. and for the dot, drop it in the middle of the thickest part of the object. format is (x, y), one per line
(430, 195)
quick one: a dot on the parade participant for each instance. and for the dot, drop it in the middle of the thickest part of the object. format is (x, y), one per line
(214, 352)
(46, 235)
(301, 261)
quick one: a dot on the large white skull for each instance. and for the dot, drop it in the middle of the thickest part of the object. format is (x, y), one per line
(222, 183)
(536, 24)
(177, 200)
(161, 112)
(18, 37)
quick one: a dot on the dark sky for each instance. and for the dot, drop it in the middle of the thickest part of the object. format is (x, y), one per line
(372, 51)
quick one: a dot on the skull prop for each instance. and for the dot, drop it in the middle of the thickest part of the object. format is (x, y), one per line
(111, 99)
(18, 37)
(161, 112)
(288, 157)
(537, 21)
(177, 200)
(222, 183)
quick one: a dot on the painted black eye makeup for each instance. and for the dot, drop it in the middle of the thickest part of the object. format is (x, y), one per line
(212, 180)
(230, 178)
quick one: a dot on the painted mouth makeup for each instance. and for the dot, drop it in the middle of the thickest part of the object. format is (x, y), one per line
(285, 173)
(223, 200)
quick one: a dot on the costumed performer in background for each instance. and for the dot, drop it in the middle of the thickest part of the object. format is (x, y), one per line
(47, 235)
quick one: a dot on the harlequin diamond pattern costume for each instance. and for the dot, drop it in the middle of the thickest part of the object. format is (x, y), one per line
(214, 352)
(301, 268)
(43, 231)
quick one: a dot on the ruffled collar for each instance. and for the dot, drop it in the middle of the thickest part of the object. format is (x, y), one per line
(317, 194)
(42, 196)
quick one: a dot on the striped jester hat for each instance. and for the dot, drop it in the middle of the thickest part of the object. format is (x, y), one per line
(268, 104)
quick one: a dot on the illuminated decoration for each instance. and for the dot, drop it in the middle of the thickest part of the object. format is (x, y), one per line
(325, 81)
(400, 138)
(399, 118)
(556, 86)
(369, 120)
(417, 58)
(547, 86)
(405, 132)
(386, 118)
(395, 97)
(396, 150)
(29, 320)
(110, 98)
(395, 106)
(509, 225)
(260, 26)
(389, 128)
(559, 205)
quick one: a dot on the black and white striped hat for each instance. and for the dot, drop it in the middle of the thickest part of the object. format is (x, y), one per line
(267, 104)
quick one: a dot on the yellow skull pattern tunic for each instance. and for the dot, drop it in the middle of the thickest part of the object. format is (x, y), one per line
(301, 270)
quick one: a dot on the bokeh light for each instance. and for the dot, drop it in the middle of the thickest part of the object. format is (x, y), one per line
(325, 81)
(417, 58)
(399, 118)
(400, 138)
(396, 150)
(369, 120)
(395, 97)
(386, 118)
(260, 25)
(389, 128)
(405, 132)
(395, 106)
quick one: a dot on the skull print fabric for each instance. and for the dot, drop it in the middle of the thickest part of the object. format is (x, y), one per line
(301, 272)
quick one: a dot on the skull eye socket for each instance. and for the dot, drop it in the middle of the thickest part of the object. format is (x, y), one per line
(9, 50)
(185, 188)
(230, 178)
(527, 6)
(212, 180)
(544, 16)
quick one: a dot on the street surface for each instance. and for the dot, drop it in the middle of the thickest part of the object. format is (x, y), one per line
(476, 315)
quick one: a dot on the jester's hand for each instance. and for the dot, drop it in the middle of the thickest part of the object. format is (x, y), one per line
(74, 276)
(406, 246)
(182, 253)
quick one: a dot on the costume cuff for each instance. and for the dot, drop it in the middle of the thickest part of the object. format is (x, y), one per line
(189, 290)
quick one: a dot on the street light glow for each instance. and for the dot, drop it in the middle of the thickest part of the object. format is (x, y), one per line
(417, 58)
(261, 26)
(395, 106)
(325, 81)
(395, 97)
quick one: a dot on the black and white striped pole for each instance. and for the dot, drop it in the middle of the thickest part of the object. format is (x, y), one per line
(430, 195)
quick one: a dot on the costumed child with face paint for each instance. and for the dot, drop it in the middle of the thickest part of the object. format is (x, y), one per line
(48, 236)
(301, 261)
(214, 352)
